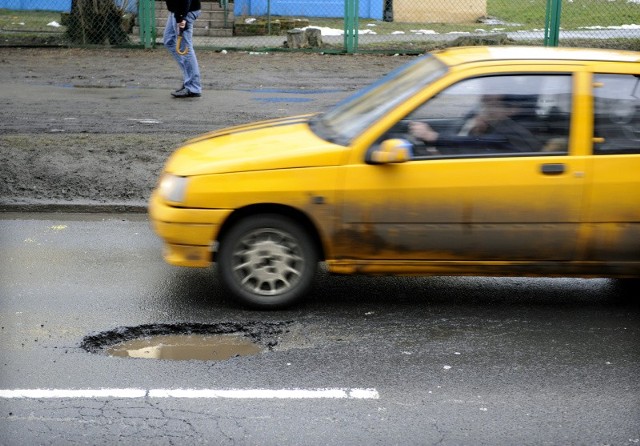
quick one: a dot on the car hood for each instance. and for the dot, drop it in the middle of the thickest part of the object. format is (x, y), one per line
(276, 144)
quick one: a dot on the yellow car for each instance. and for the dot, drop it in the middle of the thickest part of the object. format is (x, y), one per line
(466, 161)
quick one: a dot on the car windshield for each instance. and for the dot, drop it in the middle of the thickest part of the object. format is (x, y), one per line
(355, 114)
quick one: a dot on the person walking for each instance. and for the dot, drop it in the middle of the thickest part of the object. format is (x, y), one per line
(182, 15)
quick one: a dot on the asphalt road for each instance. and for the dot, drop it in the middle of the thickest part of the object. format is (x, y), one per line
(362, 361)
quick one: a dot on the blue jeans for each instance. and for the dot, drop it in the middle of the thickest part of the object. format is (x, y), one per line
(187, 63)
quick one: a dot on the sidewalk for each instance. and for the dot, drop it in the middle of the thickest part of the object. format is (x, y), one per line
(89, 130)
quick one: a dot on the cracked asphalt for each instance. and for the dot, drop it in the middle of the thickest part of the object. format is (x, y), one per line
(454, 361)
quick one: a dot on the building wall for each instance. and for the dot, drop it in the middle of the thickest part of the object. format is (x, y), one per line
(412, 11)
(40, 5)
(371, 9)
(54, 5)
(438, 11)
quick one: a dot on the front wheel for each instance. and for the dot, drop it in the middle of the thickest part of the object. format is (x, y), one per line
(267, 262)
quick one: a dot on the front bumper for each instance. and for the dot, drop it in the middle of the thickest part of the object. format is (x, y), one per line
(188, 234)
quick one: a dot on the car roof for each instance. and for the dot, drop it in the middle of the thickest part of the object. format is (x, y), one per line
(459, 55)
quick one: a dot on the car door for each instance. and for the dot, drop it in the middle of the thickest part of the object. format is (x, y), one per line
(474, 203)
(613, 213)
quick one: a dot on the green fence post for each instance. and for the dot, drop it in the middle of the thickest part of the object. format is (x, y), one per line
(147, 22)
(142, 21)
(351, 25)
(347, 25)
(268, 17)
(356, 23)
(552, 22)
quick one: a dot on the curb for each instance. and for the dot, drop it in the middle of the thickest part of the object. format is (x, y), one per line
(76, 208)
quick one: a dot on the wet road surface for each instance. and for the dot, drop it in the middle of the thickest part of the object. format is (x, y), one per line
(362, 361)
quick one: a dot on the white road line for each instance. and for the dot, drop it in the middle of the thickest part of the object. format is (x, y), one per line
(266, 393)
(334, 393)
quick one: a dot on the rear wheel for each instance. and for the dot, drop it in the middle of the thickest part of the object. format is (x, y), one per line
(267, 262)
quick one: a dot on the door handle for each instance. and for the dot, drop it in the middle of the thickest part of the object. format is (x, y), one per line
(553, 169)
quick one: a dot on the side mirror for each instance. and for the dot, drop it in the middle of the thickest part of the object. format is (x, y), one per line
(390, 151)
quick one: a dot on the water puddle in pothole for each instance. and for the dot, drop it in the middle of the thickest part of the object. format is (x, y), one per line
(184, 347)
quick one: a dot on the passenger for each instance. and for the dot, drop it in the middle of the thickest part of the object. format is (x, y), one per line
(490, 130)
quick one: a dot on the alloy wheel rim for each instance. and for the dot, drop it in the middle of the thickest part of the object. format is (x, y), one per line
(268, 262)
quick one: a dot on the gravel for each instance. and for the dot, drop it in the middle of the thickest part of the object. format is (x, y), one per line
(90, 129)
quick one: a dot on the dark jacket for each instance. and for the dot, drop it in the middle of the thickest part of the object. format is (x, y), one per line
(502, 137)
(180, 8)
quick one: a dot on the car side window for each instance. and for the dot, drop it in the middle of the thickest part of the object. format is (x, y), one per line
(616, 113)
(506, 115)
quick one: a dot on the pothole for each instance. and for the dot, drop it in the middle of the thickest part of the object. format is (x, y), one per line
(187, 347)
(204, 342)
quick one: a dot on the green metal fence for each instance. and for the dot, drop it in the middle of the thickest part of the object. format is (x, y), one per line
(393, 26)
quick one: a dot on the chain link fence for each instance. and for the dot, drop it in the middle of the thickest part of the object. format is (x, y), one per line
(392, 26)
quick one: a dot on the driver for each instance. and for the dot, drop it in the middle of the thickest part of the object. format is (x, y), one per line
(490, 130)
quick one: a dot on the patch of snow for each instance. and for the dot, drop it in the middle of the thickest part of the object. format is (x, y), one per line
(423, 31)
(327, 31)
(631, 26)
(338, 32)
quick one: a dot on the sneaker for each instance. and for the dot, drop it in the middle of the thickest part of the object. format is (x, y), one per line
(184, 93)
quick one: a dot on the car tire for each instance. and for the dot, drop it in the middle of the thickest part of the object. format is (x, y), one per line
(267, 262)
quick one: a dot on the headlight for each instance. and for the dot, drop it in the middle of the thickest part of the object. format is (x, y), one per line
(173, 188)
